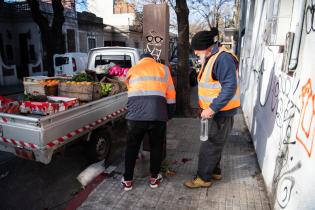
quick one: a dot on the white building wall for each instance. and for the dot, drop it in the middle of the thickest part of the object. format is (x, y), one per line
(104, 9)
(279, 107)
(20, 26)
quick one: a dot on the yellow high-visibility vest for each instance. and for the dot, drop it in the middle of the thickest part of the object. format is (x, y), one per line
(209, 89)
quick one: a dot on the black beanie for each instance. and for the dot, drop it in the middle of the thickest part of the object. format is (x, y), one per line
(204, 39)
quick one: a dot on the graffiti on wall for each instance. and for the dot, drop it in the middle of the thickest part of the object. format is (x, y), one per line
(280, 111)
(309, 17)
(281, 90)
(285, 110)
(306, 133)
(154, 45)
(275, 94)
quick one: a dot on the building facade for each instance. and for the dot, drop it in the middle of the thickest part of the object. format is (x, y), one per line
(119, 17)
(20, 38)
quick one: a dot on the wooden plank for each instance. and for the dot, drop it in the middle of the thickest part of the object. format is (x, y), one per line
(82, 92)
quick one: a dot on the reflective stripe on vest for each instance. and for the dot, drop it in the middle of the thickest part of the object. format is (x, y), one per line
(151, 81)
(209, 89)
(210, 99)
(171, 101)
(148, 78)
(146, 93)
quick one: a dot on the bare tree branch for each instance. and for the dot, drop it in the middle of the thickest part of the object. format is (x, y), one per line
(37, 16)
(51, 35)
(209, 10)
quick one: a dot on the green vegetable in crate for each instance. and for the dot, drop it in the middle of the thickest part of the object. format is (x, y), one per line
(82, 77)
(32, 97)
(106, 88)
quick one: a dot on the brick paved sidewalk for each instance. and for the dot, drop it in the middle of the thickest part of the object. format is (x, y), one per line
(241, 188)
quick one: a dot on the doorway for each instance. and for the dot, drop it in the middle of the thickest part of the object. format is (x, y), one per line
(22, 70)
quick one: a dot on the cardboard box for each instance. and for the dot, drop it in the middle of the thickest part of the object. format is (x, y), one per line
(4, 103)
(54, 105)
(9, 106)
(32, 85)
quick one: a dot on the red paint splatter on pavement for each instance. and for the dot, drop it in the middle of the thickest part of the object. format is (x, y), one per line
(184, 160)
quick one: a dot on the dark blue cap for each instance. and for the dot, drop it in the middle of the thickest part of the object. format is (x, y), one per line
(146, 55)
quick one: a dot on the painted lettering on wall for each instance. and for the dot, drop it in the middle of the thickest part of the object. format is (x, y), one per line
(306, 128)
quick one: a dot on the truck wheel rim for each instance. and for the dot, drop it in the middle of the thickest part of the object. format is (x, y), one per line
(101, 146)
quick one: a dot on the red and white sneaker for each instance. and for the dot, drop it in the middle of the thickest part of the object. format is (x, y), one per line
(127, 185)
(155, 182)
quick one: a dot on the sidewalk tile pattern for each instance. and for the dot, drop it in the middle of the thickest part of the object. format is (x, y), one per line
(241, 188)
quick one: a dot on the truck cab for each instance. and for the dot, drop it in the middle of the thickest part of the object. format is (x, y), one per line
(126, 57)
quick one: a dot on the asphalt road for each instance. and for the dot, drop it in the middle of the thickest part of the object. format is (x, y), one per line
(28, 185)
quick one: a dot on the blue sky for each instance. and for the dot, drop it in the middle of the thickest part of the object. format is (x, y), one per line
(81, 5)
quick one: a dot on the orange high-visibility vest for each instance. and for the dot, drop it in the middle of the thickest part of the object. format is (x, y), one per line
(150, 78)
(209, 89)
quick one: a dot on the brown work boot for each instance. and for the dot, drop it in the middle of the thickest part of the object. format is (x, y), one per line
(197, 182)
(216, 174)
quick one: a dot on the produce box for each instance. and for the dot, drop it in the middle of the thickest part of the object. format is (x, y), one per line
(8, 105)
(35, 78)
(118, 86)
(84, 91)
(4, 102)
(41, 85)
(120, 78)
(38, 79)
(53, 105)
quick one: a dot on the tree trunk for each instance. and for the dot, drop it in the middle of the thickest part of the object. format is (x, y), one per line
(217, 19)
(48, 53)
(209, 22)
(52, 37)
(183, 88)
(53, 43)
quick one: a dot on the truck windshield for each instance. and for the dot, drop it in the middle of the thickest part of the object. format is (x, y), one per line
(123, 60)
(59, 61)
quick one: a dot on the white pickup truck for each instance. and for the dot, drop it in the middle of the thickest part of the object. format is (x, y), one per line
(38, 137)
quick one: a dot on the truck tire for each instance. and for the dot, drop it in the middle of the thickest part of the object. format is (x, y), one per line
(99, 145)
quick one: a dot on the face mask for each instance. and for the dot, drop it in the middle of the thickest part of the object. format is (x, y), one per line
(202, 58)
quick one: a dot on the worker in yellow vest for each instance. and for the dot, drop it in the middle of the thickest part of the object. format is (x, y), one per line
(219, 98)
(151, 103)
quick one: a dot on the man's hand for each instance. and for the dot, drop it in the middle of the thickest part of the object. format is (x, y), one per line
(207, 113)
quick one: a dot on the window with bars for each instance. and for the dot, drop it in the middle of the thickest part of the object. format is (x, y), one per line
(91, 43)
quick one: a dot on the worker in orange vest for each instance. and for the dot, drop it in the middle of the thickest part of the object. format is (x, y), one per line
(219, 99)
(151, 103)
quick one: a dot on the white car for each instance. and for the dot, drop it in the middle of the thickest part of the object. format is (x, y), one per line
(69, 64)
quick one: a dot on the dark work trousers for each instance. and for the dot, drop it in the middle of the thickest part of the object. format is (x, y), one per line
(211, 150)
(135, 133)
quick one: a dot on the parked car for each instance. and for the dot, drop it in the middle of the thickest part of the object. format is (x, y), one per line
(192, 70)
(196, 62)
(192, 73)
(70, 63)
